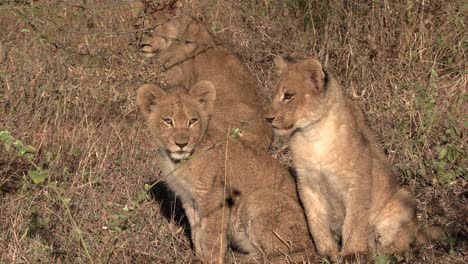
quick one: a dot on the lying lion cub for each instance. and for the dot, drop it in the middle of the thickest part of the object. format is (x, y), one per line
(188, 54)
(233, 195)
(344, 180)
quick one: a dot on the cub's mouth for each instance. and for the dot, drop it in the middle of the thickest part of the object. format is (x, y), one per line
(147, 51)
(180, 155)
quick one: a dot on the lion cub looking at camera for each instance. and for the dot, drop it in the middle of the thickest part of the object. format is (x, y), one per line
(344, 180)
(187, 54)
(233, 194)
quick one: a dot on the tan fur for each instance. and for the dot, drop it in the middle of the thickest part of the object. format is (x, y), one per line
(233, 193)
(344, 180)
(188, 53)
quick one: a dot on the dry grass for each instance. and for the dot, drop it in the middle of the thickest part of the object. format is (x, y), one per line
(68, 79)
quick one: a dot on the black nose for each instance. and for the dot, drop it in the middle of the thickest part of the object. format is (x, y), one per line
(269, 119)
(181, 145)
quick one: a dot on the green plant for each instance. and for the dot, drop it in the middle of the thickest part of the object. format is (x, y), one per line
(37, 173)
(383, 259)
(438, 133)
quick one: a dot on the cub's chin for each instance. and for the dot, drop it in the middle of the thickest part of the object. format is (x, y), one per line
(146, 51)
(148, 55)
(283, 132)
(180, 155)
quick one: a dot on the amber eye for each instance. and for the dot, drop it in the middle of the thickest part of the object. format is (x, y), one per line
(288, 96)
(168, 121)
(192, 121)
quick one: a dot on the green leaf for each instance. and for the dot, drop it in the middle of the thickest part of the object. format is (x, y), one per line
(236, 133)
(381, 259)
(434, 73)
(128, 208)
(76, 152)
(26, 149)
(66, 201)
(4, 135)
(142, 196)
(442, 153)
(18, 143)
(451, 155)
(29, 149)
(38, 176)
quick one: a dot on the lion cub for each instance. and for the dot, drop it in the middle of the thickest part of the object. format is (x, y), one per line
(344, 180)
(188, 53)
(233, 194)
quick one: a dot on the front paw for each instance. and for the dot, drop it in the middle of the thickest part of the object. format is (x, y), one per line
(212, 259)
(330, 252)
(356, 257)
(211, 254)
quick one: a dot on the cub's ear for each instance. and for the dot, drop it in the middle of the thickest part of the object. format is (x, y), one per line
(173, 9)
(316, 73)
(148, 96)
(282, 62)
(205, 93)
(136, 8)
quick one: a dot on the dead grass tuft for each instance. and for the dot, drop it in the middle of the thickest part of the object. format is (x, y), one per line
(68, 79)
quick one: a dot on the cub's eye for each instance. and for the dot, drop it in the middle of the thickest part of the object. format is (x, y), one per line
(288, 96)
(168, 121)
(192, 121)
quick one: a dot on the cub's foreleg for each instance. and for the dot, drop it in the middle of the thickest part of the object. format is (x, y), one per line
(212, 236)
(318, 219)
(356, 223)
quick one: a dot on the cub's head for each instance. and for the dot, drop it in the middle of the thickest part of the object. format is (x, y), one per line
(177, 119)
(160, 25)
(300, 95)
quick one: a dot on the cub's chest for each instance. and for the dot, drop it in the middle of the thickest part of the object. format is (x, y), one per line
(176, 177)
(314, 152)
(319, 164)
(181, 187)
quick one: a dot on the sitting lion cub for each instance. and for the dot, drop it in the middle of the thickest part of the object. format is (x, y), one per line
(344, 180)
(233, 194)
(187, 53)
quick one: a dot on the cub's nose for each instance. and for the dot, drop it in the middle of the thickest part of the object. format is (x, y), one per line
(181, 145)
(269, 119)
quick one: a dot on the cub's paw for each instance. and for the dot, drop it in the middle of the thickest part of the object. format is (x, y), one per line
(355, 258)
(332, 255)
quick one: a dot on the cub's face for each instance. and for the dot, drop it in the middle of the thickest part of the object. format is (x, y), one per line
(178, 120)
(299, 96)
(160, 25)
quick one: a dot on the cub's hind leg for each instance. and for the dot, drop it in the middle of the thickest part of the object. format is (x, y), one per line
(275, 225)
(396, 225)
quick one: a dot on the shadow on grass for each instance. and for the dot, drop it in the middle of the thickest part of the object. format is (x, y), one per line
(170, 206)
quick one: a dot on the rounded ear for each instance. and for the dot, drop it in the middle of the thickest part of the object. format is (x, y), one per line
(136, 8)
(173, 9)
(282, 62)
(205, 93)
(148, 96)
(316, 73)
